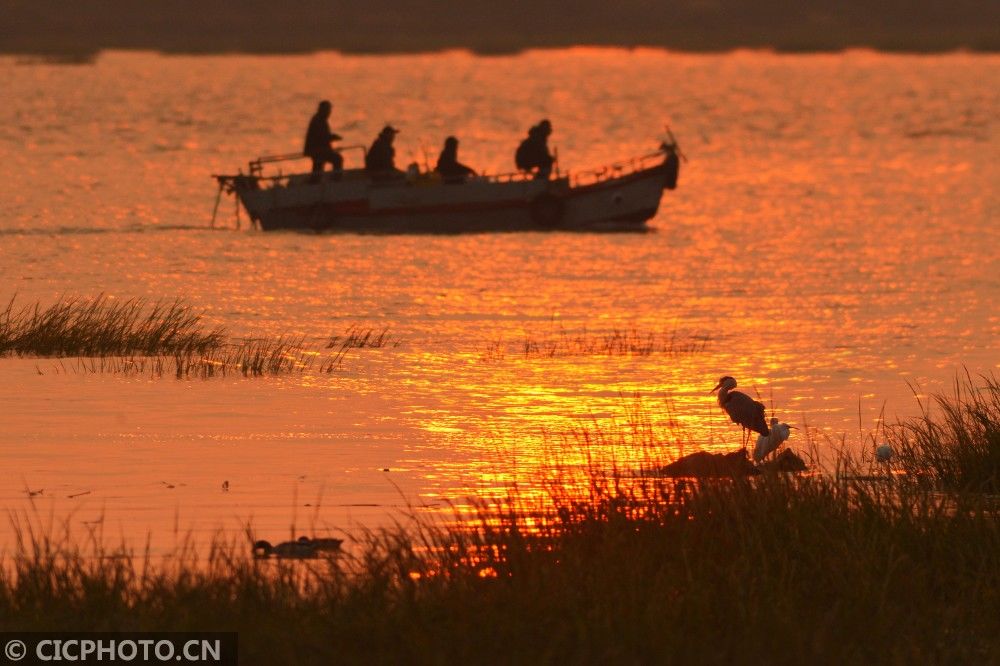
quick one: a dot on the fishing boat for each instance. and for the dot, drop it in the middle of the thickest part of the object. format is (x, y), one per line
(622, 196)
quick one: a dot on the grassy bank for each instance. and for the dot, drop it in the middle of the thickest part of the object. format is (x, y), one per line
(892, 563)
(853, 568)
(786, 570)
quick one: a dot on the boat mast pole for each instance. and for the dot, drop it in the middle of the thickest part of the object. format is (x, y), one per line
(218, 198)
(673, 141)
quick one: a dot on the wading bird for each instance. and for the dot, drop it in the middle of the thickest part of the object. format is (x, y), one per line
(743, 410)
(767, 444)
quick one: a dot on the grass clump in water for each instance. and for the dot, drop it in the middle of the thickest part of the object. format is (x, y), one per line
(161, 338)
(252, 357)
(105, 327)
(357, 337)
(617, 342)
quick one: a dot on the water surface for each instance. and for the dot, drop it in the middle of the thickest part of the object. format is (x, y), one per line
(834, 239)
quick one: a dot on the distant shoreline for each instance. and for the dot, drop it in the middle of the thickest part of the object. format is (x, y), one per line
(56, 29)
(75, 56)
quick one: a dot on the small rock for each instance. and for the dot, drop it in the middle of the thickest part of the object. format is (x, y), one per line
(786, 461)
(704, 464)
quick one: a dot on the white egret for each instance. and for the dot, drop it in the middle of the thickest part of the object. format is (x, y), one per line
(767, 444)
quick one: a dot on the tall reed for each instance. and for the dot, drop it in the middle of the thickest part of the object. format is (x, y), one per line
(617, 342)
(105, 327)
(162, 338)
(955, 442)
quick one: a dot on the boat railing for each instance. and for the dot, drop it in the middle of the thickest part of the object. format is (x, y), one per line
(616, 169)
(589, 176)
(257, 166)
(509, 177)
(578, 178)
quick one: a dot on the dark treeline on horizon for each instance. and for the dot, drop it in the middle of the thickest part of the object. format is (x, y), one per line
(488, 26)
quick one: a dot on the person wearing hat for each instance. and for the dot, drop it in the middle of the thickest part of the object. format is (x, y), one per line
(317, 144)
(533, 153)
(448, 165)
(381, 157)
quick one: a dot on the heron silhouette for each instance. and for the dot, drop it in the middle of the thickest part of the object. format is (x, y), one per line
(743, 410)
(767, 444)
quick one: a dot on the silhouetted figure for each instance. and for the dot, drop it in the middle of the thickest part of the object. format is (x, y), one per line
(317, 145)
(533, 153)
(380, 161)
(448, 165)
(743, 410)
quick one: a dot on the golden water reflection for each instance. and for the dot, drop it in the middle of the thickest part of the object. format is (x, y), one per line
(833, 241)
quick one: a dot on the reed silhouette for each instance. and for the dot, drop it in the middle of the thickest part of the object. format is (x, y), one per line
(609, 565)
(162, 338)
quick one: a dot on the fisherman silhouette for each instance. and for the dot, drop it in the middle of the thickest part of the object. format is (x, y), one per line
(448, 165)
(317, 144)
(380, 160)
(533, 153)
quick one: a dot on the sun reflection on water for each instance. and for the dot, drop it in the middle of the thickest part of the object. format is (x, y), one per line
(831, 245)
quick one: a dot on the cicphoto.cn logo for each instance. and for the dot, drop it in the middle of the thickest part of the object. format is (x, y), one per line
(109, 647)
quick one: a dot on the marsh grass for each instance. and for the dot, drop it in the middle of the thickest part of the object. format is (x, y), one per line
(617, 342)
(357, 337)
(249, 357)
(955, 443)
(624, 567)
(787, 569)
(162, 338)
(105, 327)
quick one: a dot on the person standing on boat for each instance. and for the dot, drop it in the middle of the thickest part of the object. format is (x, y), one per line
(380, 160)
(533, 153)
(448, 165)
(317, 145)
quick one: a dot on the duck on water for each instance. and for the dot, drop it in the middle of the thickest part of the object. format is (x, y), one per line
(302, 548)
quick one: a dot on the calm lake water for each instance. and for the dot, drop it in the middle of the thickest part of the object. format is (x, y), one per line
(833, 243)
